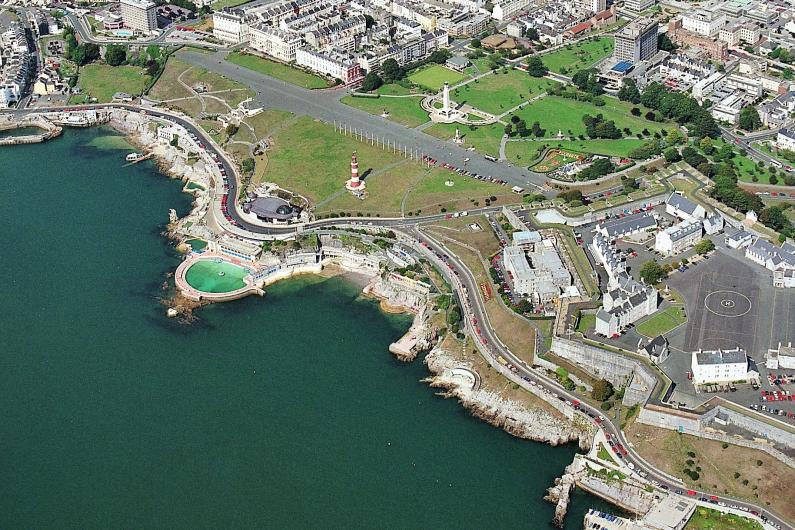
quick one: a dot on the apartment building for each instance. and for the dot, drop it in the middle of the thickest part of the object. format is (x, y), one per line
(139, 15)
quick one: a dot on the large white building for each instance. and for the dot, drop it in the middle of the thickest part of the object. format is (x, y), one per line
(785, 139)
(781, 357)
(680, 206)
(678, 238)
(15, 67)
(719, 366)
(331, 63)
(140, 15)
(538, 272)
(774, 258)
(626, 226)
(506, 9)
(625, 302)
(279, 44)
(603, 251)
(705, 22)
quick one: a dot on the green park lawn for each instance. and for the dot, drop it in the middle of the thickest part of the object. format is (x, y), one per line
(432, 192)
(308, 157)
(662, 322)
(579, 56)
(586, 322)
(485, 139)
(555, 113)
(501, 91)
(101, 81)
(394, 89)
(524, 153)
(433, 77)
(709, 519)
(280, 71)
(403, 110)
(746, 168)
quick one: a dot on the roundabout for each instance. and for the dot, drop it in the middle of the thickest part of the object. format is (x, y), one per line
(728, 304)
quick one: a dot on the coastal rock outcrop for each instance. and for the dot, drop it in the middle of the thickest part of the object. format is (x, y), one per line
(560, 493)
(516, 418)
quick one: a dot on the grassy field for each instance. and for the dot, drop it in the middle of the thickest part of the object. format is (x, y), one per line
(431, 194)
(220, 4)
(433, 77)
(406, 111)
(266, 121)
(393, 89)
(662, 322)
(558, 114)
(709, 519)
(578, 57)
(313, 160)
(523, 153)
(485, 139)
(168, 87)
(734, 470)
(499, 92)
(101, 81)
(586, 322)
(280, 71)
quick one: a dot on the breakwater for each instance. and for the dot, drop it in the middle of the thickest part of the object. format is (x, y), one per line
(48, 130)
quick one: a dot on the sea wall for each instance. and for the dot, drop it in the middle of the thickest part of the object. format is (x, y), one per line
(48, 130)
(620, 370)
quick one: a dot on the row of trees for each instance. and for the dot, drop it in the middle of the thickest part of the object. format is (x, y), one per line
(80, 54)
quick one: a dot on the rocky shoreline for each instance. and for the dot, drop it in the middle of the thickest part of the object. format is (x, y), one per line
(513, 417)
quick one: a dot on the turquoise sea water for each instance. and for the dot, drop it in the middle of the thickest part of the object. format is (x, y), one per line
(278, 412)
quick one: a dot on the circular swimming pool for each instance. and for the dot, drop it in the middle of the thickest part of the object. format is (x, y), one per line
(216, 276)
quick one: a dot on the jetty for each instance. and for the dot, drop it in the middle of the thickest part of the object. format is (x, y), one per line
(48, 129)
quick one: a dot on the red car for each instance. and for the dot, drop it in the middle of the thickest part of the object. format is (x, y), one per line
(691, 492)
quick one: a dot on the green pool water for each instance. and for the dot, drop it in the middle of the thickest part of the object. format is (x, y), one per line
(197, 244)
(204, 276)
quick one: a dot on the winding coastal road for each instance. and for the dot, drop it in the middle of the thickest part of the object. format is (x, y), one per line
(459, 276)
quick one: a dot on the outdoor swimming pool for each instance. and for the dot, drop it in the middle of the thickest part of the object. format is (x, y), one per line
(216, 276)
(123, 33)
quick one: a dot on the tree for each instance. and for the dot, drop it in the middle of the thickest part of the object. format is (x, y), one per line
(651, 272)
(571, 195)
(371, 82)
(475, 43)
(440, 56)
(602, 390)
(704, 246)
(231, 129)
(587, 81)
(672, 155)
(535, 67)
(629, 91)
(531, 34)
(664, 43)
(115, 55)
(248, 165)
(369, 21)
(392, 71)
(749, 119)
(508, 129)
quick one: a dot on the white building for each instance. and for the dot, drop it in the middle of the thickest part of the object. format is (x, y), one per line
(539, 272)
(786, 139)
(784, 279)
(506, 9)
(719, 366)
(230, 26)
(282, 45)
(625, 302)
(603, 251)
(781, 357)
(774, 258)
(703, 21)
(678, 238)
(713, 224)
(739, 239)
(680, 206)
(237, 248)
(333, 64)
(139, 14)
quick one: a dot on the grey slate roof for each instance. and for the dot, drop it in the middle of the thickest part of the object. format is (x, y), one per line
(682, 203)
(734, 356)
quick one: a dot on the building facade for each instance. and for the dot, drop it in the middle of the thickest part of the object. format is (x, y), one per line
(719, 366)
(637, 41)
(140, 15)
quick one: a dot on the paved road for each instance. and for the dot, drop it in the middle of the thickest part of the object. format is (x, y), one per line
(460, 277)
(745, 142)
(325, 105)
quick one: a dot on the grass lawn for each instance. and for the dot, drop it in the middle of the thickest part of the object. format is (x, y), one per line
(485, 139)
(709, 519)
(220, 4)
(499, 92)
(760, 475)
(558, 114)
(578, 57)
(266, 121)
(604, 454)
(406, 111)
(746, 168)
(584, 323)
(393, 89)
(662, 322)
(280, 71)
(431, 194)
(167, 88)
(523, 153)
(102, 81)
(434, 76)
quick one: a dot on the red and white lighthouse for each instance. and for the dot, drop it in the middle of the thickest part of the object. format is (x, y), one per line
(355, 184)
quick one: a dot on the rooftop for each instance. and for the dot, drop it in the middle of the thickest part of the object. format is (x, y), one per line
(735, 356)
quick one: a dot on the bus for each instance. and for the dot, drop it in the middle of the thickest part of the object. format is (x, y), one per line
(517, 190)
(490, 158)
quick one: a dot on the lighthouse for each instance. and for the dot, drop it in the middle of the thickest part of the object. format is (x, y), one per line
(355, 185)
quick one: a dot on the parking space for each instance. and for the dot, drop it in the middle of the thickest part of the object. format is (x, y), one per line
(730, 303)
